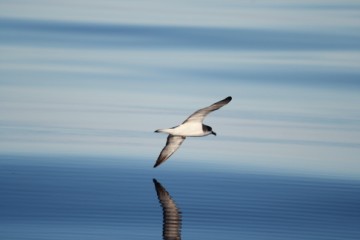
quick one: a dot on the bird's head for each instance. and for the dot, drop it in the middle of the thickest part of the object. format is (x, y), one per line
(208, 130)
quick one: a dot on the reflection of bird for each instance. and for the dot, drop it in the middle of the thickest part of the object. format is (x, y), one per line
(171, 214)
(191, 127)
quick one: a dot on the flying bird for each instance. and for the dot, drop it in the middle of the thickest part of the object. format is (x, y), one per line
(192, 127)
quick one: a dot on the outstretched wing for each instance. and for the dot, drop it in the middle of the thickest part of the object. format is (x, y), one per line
(172, 144)
(200, 114)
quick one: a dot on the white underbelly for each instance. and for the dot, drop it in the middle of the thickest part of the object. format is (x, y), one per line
(189, 130)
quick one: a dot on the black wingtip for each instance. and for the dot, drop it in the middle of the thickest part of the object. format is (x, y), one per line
(229, 98)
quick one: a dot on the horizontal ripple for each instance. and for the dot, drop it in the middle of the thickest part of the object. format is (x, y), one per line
(24, 31)
(104, 197)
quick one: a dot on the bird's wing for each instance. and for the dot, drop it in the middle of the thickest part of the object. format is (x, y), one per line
(172, 144)
(171, 213)
(200, 114)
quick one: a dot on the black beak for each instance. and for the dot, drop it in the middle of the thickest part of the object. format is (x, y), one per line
(214, 133)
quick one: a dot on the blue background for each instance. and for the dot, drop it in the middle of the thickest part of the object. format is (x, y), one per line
(84, 84)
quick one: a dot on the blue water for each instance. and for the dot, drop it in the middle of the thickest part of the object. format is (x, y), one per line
(116, 36)
(84, 85)
(81, 198)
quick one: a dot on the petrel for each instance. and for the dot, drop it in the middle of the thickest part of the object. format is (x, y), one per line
(192, 127)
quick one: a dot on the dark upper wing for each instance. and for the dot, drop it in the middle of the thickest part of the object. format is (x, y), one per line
(200, 114)
(172, 144)
(171, 213)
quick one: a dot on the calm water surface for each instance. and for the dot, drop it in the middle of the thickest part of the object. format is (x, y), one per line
(84, 84)
(84, 198)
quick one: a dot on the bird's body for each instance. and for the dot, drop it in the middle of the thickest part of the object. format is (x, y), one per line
(188, 129)
(192, 127)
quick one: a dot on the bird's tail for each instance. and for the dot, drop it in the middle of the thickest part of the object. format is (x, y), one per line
(161, 131)
(164, 130)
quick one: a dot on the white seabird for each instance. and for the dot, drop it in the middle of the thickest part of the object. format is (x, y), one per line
(192, 127)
